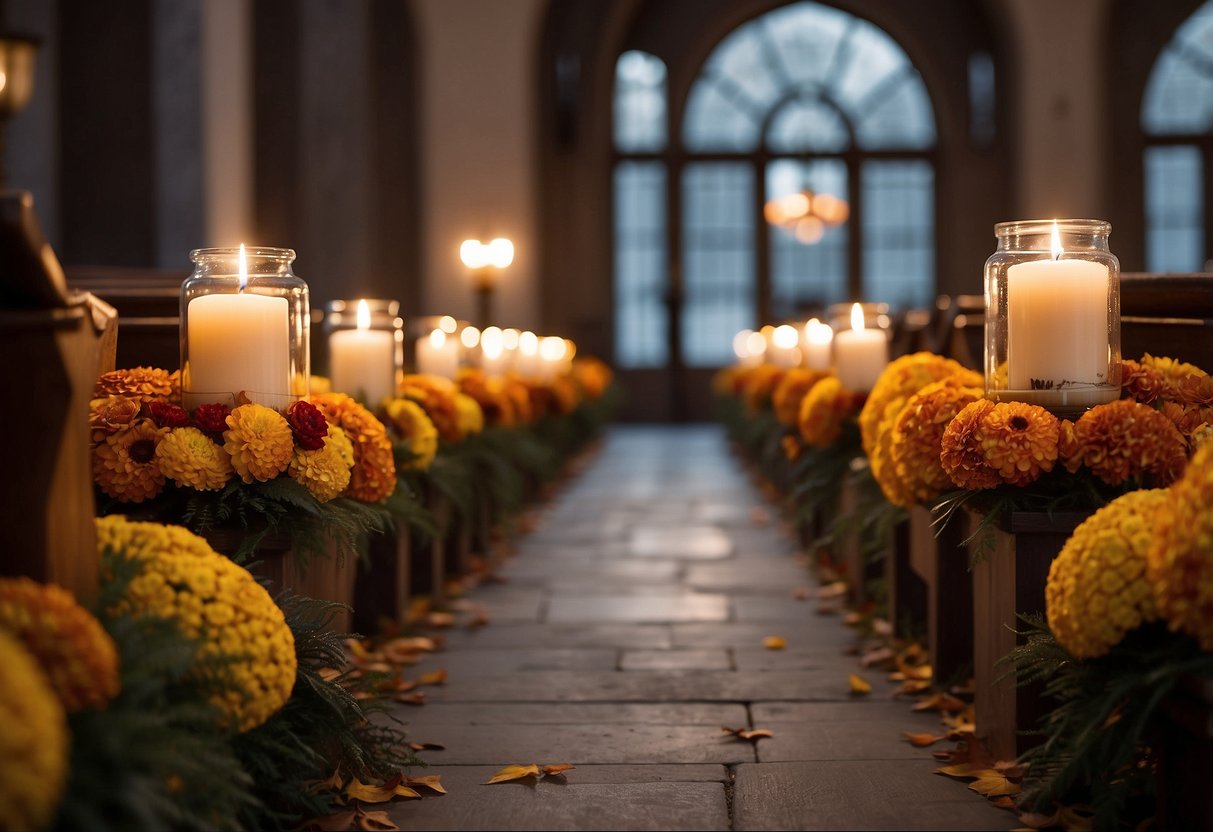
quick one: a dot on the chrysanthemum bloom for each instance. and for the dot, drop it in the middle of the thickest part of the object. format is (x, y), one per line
(259, 441)
(1124, 439)
(167, 414)
(1098, 588)
(790, 392)
(436, 395)
(902, 378)
(415, 430)
(307, 424)
(822, 412)
(960, 450)
(470, 416)
(143, 383)
(917, 438)
(1174, 373)
(520, 398)
(1180, 565)
(496, 407)
(74, 651)
(34, 742)
(211, 419)
(124, 463)
(1019, 441)
(325, 472)
(758, 386)
(1140, 382)
(215, 601)
(373, 478)
(111, 414)
(1197, 391)
(188, 457)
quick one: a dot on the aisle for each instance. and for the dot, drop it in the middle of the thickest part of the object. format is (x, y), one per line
(628, 632)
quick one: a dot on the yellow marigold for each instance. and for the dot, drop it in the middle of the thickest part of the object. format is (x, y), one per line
(415, 430)
(188, 457)
(1180, 565)
(437, 396)
(33, 744)
(215, 601)
(516, 391)
(146, 384)
(1019, 441)
(790, 392)
(566, 394)
(1124, 439)
(373, 478)
(111, 414)
(592, 375)
(902, 378)
(470, 416)
(822, 412)
(1140, 382)
(1098, 588)
(758, 385)
(960, 451)
(917, 438)
(124, 462)
(75, 652)
(496, 406)
(1174, 373)
(319, 384)
(259, 441)
(325, 472)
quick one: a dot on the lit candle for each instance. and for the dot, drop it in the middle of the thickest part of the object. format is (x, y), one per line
(492, 352)
(784, 352)
(362, 361)
(860, 354)
(818, 340)
(552, 350)
(1057, 331)
(528, 355)
(437, 354)
(238, 343)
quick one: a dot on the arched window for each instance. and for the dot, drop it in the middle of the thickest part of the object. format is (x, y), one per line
(1177, 120)
(803, 99)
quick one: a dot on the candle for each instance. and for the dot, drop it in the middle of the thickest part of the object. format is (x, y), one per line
(552, 351)
(438, 355)
(784, 352)
(362, 361)
(238, 343)
(492, 352)
(818, 339)
(1057, 330)
(860, 354)
(528, 355)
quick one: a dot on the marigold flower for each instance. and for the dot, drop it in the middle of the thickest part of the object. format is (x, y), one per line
(520, 398)
(566, 395)
(758, 385)
(792, 449)
(146, 384)
(592, 375)
(960, 450)
(1124, 439)
(496, 406)
(214, 600)
(34, 743)
(470, 418)
(1197, 391)
(1019, 441)
(790, 392)
(436, 395)
(917, 437)
(259, 441)
(124, 462)
(1180, 566)
(1098, 588)
(1174, 373)
(373, 478)
(111, 414)
(1140, 382)
(74, 651)
(325, 472)
(211, 419)
(188, 457)
(822, 412)
(415, 430)
(902, 378)
(307, 424)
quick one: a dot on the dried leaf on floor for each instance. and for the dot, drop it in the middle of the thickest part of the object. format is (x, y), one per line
(375, 822)
(440, 620)
(922, 740)
(332, 783)
(429, 781)
(801, 593)
(881, 627)
(859, 685)
(991, 783)
(513, 772)
(747, 734)
(426, 746)
(837, 589)
(434, 677)
(774, 642)
(417, 698)
(877, 656)
(1004, 802)
(911, 687)
(557, 769)
(370, 793)
(942, 702)
(962, 771)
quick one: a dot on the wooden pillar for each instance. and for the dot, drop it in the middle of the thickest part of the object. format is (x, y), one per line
(941, 560)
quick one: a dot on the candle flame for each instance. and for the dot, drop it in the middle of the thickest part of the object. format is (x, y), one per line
(448, 324)
(1056, 242)
(492, 343)
(552, 348)
(437, 339)
(364, 315)
(473, 254)
(755, 343)
(857, 317)
(243, 261)
(469, 337)
(500, 252)
(818, 333)
(785, 337)
(510, 338)
(741, 343)
(528, 343)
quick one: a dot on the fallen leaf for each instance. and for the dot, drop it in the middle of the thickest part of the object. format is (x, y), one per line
(1004, 802)
(1036, 820)
(838, 589)
(962, 730)
(370, 793)
(963, 771)
(922, 740)
(375, 822)
(429, 781)
(339, 822)
(943, 702)
(853, 619)
(357, 648)
(328, 674)
(480, 619)
(991, 783)
(557, 769)
(434, 677)
(333, 782)
(426, 746)
(747, 734)
(877, 656)
(801, 593)
(1011, 768)
(774, 642)
(417, 698)
(440, 620)
(404, 791)
(911, 687)
(859, 685)
(513, 772)
(881, 627)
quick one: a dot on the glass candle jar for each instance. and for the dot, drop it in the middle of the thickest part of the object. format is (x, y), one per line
(245, 328)
(365, 348)
(1053, 315)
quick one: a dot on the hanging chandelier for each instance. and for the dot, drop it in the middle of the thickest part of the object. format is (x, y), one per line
(806, 215)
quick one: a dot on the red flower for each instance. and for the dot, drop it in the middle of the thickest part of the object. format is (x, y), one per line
(167, 415)
(308, 424)
(212, 418)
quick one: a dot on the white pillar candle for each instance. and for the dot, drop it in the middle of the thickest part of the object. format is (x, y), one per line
(238, 343)
(527, 361)
(437, 354)
(784, 351)
(492, 352)
(818, 341)
(860, 354)
(362, 361)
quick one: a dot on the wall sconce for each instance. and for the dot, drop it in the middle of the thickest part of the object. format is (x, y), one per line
(485, 260)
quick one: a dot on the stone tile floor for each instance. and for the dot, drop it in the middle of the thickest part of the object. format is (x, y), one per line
(628, 630)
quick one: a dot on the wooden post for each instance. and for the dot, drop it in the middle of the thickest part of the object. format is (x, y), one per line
(382, 589)
(907, 591)
(942, 561)
(1185, 757)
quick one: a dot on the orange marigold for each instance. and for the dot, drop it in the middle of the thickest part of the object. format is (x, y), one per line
(1140, 382)
(790, 392)
(124, 462)
(1178, 559)
(490, 394)
(111, 414)
(436, 395)
(1124, 439)
(373, 478)
(823, 411)
(1019, 441)
(1197, 391)
(918, 435)
(145, 384)
(1174, 373)
(902, 378)
(592, 375)
(960, 451)
(758, 386)
(520, 398)
(259, 441)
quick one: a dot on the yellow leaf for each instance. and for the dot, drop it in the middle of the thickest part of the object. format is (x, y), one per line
(911, 687)
(513, 772)
(376, 822)
(358, 790)
(944, 702)
(357, 648)
(922, 740)
(774, 642)
(859, 685)
(1004, 802)
(882, 627)
(440, 619)
(991, 783)
(430, 781)
(434, 677)
(405, 791)
(333, 782)
(557, 769)
(963, 771)
(838, 589)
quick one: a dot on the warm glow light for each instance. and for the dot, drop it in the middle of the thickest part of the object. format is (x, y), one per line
(364, 315)
(528, 343)
(755, 344)
(785, 337)
(244, 268)
(857, 317)
(3, 80)
(509, 338)
(491, 343)
(815, 332)
(470, 337)
(1056, 242)
(500, 253)
(437, 339)
(474, 254)
(448, 324)
(809, 230)
(741, 343)
(570, 349)
(552, 348)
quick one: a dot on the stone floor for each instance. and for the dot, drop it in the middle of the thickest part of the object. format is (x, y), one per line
(628, 632)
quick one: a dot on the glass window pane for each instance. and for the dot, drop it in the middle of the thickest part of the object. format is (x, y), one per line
(808, 125)
(899, 233)
(1179, 96)
(717, 121)
(1174, 210)
(872, 56)
(717, 259)
(1196, 33)
(641, 324)
(899, 117)
(640, 103)
(806, 38)
(740, 60)
(807, 275)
